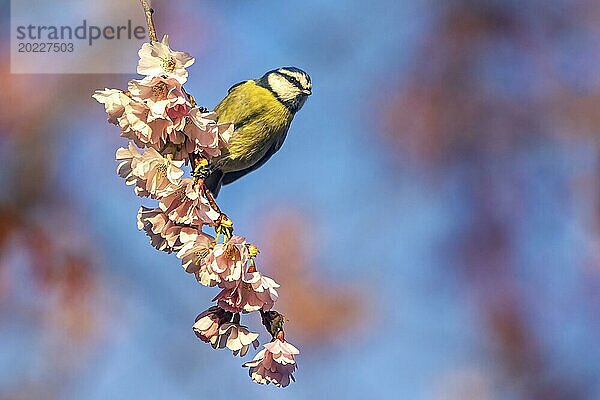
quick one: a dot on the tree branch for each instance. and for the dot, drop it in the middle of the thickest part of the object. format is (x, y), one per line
(151, 29)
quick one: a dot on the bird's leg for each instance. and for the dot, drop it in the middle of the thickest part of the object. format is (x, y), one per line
(223, 225)
(201, 169)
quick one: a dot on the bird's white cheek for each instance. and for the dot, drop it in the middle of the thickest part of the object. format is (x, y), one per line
(289, 95)
(284, 89)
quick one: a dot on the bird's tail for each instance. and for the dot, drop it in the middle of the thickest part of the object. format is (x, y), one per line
(214, 181)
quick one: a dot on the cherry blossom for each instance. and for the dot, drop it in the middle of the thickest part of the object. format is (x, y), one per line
(228, 259)
(208, 322)
(237, 338)
(274, 364)
(164, 97)
(186, 204)
(151, 173)
(167, 131)
(146, 129)
(159, 173)
(157, 59)
(204, 135)
(128, 157)
(165, 235)
(193, 259)
(114, 101)
(215, 326)
(252, 292)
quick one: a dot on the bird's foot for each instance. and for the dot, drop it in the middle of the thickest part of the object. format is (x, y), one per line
(202, 169)
(224, 226)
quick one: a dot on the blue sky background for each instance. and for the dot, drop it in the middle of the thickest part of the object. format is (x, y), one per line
(376, 219)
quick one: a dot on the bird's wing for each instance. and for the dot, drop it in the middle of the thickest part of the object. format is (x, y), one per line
(229, 110)
(213, 182)
(230, 177)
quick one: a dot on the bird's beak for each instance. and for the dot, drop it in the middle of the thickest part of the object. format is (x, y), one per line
(307, 92)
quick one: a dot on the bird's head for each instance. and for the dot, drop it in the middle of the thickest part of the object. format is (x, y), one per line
(291, 85)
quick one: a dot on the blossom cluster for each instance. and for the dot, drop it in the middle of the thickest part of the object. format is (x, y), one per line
(156, 112)
(166, 131)
(275, 363)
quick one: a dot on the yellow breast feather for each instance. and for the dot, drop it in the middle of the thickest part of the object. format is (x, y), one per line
(260, 120)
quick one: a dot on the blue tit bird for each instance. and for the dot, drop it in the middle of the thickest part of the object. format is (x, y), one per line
(261, 111)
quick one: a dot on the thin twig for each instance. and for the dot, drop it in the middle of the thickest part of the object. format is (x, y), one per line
(272, 320)
(207, 193)
(211, 200)
(151, 29)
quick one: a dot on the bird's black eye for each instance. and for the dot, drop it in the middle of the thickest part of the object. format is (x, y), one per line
(293, 80)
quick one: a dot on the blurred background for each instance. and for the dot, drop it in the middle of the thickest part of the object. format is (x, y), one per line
(433, 217)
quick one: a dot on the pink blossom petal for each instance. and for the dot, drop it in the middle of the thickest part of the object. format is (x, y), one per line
(157, 58)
